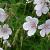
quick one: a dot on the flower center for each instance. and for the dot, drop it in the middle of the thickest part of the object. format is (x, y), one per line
(33, 25)
(4, 30)
(46, 26)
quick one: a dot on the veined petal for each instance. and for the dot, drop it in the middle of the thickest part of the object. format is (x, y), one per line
(31, 32)
(35, 20)
(48, 21)
(5, 31)
(30, 19)
(41, 26)
(26, 26)
(47, 31)
(45, 10)
(3, 15)
(42, 33)
(2, 18)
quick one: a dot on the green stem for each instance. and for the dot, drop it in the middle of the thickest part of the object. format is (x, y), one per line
(15, 37)
(21, 39)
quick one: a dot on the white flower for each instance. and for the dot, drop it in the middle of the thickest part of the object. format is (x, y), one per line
(3, 15)
(7, 43)
(5, 31)
(41, 7)
(45, 28)
(30, 25)
(1, 48)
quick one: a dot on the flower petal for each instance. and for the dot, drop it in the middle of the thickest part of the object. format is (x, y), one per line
(38, 7)
(48, 21)
(37, 2)
(26, 26)
(28, 18)
(35, 20)
(42, 33)
(1, 48)
(45, 10)
(41, 26)
(31, 32)
(6, 36)
(39, 13)
(3, 15)
(9, 31)
(47, 31)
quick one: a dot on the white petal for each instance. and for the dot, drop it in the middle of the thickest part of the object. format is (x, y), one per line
(48, 21)
(42, 33)
(35, 20)
(47, 31)
(37, 1)
(2, 19)
(9, 31)
(31, 32)
(28, 18)
(6, 36)
(39, 13)
(1, 48)
(38, 7)
(41, 26)
(3, 15)
(26, 26)
(45, 10)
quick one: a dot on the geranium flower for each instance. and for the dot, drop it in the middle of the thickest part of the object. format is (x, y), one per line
(41, 7)
(30, 25)
(5, 31)
(45, 28)
(3, 15)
